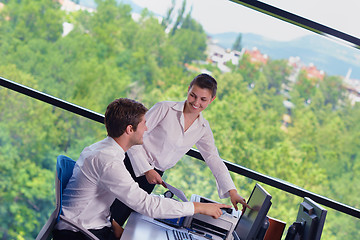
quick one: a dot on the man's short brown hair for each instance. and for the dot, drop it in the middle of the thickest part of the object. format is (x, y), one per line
(123, 112)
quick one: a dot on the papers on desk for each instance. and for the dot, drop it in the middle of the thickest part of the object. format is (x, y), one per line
(177, 192)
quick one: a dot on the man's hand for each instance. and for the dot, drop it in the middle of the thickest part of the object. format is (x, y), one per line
(210, 209)
(154, 178)
(236, 198)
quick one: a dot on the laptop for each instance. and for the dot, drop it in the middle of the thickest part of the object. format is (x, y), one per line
(175, 234)
(252, 224)
(178, 234)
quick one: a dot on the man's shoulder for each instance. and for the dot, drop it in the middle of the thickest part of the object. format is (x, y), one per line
(109, 154)
(104, 150)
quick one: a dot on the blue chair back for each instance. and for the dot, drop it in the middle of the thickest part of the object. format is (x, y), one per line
(64, 169)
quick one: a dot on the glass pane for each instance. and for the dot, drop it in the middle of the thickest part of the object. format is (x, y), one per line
(340, 15)
(287, 104)
(32, 135)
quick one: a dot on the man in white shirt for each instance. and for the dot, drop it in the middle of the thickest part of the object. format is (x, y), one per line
(100, 176)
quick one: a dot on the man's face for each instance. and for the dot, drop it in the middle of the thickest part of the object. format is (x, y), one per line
(137, 138)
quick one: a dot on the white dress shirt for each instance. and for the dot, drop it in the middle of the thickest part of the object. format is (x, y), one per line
(166, 142)
(98, 178)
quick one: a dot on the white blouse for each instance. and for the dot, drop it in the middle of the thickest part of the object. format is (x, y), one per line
(166, 142)
(98, 178)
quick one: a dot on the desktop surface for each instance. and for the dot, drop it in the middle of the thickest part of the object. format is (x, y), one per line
(142, 227)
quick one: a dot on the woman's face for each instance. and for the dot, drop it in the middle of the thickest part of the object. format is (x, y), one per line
(198, 99)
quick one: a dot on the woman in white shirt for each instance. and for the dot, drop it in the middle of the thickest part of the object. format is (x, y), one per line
(173, 128)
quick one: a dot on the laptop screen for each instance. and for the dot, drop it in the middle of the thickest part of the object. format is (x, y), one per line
(253, 219)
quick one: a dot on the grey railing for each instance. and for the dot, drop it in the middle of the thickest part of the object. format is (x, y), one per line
(301, 22)
(277, 183)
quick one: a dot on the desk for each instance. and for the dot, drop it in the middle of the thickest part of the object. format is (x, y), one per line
(140, 227)
(275, 230)
(145, 228)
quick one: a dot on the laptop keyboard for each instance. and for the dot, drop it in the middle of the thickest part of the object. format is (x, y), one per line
(178, 235)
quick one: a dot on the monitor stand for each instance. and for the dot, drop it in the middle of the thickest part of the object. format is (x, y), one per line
(295, 231)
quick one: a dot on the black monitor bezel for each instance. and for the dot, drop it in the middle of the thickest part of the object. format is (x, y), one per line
(312, 230)
(260, 219)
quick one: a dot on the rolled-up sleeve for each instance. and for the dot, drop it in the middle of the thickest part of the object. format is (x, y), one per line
(138, 158)
(137, 154)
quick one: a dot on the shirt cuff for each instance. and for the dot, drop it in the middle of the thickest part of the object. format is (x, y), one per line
(224, 187)
(140, 166)
(142, 172)
(189, 208)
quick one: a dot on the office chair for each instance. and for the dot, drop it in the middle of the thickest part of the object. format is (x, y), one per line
(64, 170)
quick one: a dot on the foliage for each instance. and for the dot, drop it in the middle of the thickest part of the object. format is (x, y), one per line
(26, 19)
(237, 44)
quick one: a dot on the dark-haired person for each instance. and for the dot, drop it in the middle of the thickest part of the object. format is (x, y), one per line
(173, 128)
(100, 176)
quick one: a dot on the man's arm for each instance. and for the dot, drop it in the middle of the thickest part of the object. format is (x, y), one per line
(116, 179)
(211, 209)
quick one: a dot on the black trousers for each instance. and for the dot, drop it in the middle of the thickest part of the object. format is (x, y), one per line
(105, 233)
(119, 211)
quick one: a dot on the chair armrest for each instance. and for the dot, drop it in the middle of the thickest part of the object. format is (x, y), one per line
(46, 230)
(89, 234)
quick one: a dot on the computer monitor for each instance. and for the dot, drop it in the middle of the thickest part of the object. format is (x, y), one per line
(309, 222)
(253, 223)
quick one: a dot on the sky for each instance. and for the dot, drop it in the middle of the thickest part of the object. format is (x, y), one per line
(218, 16)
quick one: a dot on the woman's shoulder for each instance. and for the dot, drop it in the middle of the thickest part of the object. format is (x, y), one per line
(164, 107)
(165, 104)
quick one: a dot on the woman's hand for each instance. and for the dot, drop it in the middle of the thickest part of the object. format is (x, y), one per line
(154, 178)
(236, 198)
(210, 209)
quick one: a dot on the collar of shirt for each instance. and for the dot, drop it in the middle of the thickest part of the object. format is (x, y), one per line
(115, 145)
(179, 106)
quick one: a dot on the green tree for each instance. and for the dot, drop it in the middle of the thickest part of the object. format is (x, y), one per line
(238, 43)
(305, 87)
(26, 180)
(248, 70)
(276, 72)
(25, 20)
(110, 23)
(190, 41)
(166, 21)
(332, 90)
(179, 18)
